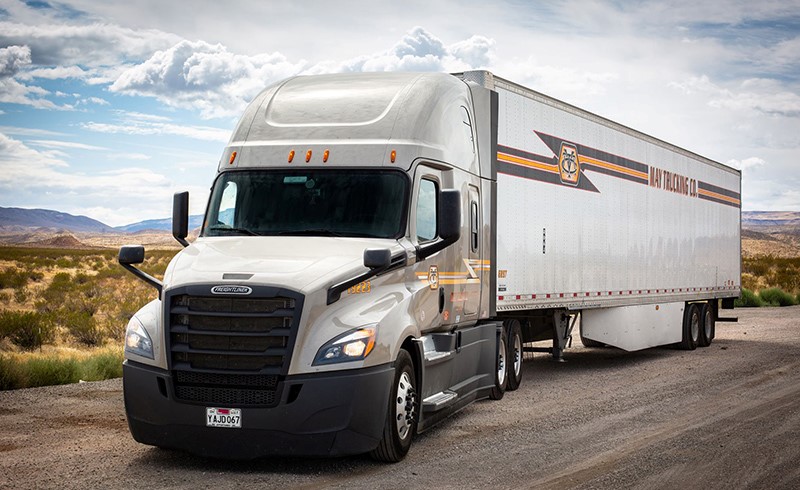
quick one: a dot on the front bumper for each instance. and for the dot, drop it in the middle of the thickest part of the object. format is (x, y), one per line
(329, 414)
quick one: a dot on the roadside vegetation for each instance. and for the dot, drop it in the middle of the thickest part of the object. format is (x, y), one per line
(770, 281)
(63, 313)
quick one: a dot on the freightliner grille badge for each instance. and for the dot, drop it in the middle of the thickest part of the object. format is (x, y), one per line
(225, 289)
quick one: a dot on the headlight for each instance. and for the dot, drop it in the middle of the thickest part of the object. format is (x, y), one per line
(354, 345)
(137, 341)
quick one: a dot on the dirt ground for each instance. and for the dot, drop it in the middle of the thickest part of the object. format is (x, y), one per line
(726, 416)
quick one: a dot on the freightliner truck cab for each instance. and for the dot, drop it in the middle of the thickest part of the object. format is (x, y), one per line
(339, 296)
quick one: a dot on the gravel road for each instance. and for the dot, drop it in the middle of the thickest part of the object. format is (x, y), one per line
(727, 416)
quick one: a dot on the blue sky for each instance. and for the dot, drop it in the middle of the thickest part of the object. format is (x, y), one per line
(107, 108)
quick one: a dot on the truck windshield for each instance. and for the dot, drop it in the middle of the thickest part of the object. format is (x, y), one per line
(347, 203)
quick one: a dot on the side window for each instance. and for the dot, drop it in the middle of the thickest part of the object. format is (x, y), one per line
(227, 205)
(426, 211)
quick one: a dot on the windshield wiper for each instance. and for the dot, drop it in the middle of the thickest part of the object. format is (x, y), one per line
(241, 231)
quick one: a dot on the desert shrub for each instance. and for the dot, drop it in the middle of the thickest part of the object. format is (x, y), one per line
(21, 295)
(777, 297)
(29, 330)
(103, 365)
(13, 278)
(12, 374)
(748, 299)
(35, 276)
(47, 371)
(81, 325)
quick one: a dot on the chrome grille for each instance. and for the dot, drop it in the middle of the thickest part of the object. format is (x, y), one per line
(231, 350)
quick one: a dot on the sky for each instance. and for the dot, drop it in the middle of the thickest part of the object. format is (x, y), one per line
(108, 108)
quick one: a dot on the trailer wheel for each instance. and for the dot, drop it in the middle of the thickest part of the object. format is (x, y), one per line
(691, 327)
(707, 325)
(401, 417)
(515, 355)
(501, 368)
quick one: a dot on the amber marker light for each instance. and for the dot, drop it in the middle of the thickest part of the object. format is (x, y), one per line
(291, 156)
(233, 157)
(394, 156)
(325, 155)
(308, 156)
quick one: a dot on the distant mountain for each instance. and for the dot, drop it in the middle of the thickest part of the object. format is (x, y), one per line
(45, 218)
(165, 224)
(772, 221)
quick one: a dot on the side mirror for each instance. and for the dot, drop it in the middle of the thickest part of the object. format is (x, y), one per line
(134, 254)
(131, 254)
(180, 217)
(448, 223)
(449, 215)
(377, 258)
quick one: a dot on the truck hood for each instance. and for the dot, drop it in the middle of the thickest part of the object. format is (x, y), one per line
(299, 263)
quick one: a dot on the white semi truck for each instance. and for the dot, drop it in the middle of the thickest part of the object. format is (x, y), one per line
(379, 250)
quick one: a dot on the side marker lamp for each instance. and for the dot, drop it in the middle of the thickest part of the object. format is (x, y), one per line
(233, 157)
(291, 156)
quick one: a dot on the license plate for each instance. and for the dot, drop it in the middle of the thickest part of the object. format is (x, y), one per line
(230, 418)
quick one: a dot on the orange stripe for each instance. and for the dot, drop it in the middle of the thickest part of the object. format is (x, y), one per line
(528, 163)
(731, 200)
(614, 167)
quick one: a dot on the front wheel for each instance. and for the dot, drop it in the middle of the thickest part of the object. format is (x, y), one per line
(501, 368)
(401, 417)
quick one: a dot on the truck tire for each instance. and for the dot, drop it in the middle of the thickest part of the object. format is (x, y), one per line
(706, 325)
(501, 367)
(515, 355)
(691, 327)
(402, 415)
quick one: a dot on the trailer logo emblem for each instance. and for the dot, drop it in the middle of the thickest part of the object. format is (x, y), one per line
(433, 276)
(569, 164)
(225, 289)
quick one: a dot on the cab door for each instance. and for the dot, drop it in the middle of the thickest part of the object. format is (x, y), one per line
(430, 278)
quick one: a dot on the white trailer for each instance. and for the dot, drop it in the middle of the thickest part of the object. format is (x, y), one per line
(378, 249)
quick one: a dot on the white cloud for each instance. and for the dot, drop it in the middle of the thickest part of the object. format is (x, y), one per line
(129, 156)
(57, 73)
(34, 178)
(12, 59)
(204, 133)
(66, 144)
(211, 79)
(747, 164)
(755, 94)
(93, 45)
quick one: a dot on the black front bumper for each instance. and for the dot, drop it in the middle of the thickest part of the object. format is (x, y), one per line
(327, 414)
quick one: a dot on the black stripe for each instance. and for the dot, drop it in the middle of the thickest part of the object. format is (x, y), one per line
(718, 201)
(529, 156)
(718, 190)
(554, 143)
(542, 176)
(614, 173)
